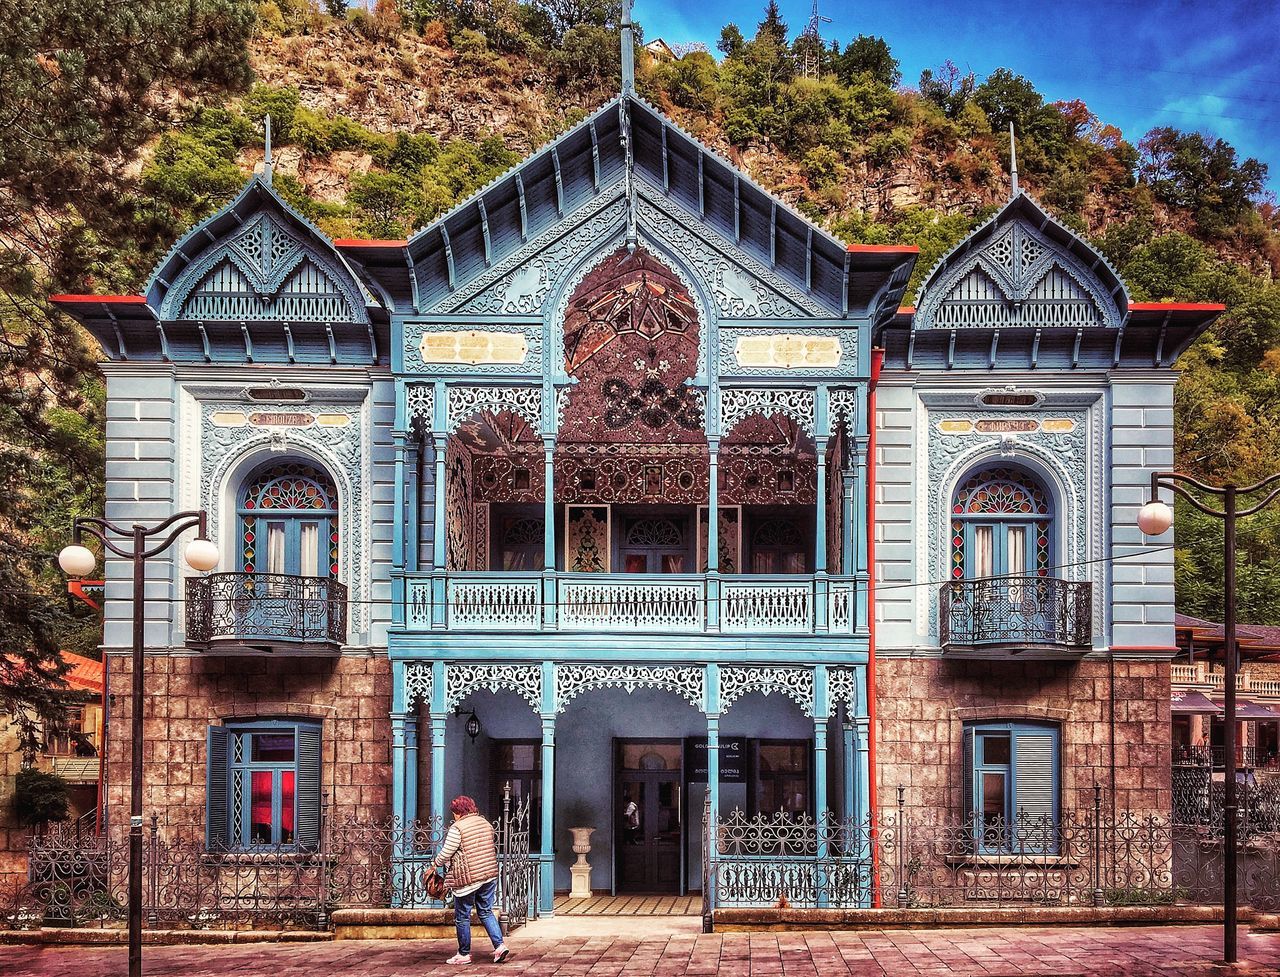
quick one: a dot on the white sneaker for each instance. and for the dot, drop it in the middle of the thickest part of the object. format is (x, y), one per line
(459, 958)
(500, 953)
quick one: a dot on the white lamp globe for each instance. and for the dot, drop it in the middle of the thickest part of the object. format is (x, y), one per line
(201, 554)
(77, 560)
(1155, 518)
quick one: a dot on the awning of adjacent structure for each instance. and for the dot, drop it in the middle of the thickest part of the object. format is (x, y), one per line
(1247, 709)
(1193, 704)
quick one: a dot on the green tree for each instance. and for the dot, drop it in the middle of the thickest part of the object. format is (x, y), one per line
(868, 55)
(731, 43)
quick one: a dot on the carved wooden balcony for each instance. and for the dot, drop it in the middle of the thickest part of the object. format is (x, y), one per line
(276, 612)
(747, 604)
(1015, 614)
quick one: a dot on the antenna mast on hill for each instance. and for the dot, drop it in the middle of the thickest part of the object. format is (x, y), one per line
(811, 63)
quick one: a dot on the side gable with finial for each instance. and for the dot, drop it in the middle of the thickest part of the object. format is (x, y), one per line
(260, 261)
(1021, 269)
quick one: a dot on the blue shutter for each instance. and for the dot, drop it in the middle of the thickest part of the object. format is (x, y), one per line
(217, 831)
(1035, 791)
(970, 817)
(308, 786)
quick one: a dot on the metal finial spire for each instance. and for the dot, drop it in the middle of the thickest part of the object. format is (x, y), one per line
(266, 156)
(628, 50)
(1013, 163)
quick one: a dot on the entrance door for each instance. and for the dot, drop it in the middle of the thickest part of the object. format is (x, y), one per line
(648, 832)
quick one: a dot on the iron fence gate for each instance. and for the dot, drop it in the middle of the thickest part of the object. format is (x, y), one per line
(912, 860)
(82, 880)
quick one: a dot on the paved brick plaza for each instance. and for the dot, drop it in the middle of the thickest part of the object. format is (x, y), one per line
(1132, 951)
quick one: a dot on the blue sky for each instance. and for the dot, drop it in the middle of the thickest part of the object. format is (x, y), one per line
(1211, 66)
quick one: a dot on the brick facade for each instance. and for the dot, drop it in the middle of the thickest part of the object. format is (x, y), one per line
(922, 705)
(350, 695)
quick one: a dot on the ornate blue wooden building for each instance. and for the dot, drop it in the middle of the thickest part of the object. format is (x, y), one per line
(573, 491)
(567, 492)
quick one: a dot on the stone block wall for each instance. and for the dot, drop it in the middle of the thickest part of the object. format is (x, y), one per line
(922, 705)
(350, 695)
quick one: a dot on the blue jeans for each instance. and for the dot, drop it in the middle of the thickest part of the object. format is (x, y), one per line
(482, 899)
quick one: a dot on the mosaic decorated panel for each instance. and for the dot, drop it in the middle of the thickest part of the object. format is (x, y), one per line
(460, 524)
(586, 539)
(748, 475)
(631, 336)
(729, 529)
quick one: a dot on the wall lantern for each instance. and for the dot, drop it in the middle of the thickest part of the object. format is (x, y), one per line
(473, 725)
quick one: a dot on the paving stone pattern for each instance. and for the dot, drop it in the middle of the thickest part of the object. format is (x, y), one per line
(1134, 951)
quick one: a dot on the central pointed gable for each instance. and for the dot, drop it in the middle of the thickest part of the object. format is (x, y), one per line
(574, 193)
(1022, 269)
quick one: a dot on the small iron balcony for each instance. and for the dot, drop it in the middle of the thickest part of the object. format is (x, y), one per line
(1017, 613)
(266, 612)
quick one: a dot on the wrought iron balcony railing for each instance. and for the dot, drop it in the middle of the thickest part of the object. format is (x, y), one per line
(266, 608)
(663, 603)
(1015, 611)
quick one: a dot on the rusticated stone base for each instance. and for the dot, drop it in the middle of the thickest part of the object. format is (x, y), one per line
(1115, 735)
(349, 695)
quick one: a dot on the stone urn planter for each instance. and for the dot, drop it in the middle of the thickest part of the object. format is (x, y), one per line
(580, 871)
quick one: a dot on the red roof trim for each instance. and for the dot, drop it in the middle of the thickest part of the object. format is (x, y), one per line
(355, 242)
(1176, 307)
(884, 249)
(91, 299)
(906, 310)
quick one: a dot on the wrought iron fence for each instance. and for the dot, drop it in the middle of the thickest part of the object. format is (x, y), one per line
(266, 607)
(82, 880)
(1078, 858)
(1199, 798)
(1021, 610)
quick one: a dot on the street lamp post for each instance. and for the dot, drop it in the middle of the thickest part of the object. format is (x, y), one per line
(78, 560)
(1153, 519)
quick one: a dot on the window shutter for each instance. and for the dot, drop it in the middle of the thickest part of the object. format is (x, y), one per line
(308, 786)
(966, 777)
(1035, 766)
(217, 831)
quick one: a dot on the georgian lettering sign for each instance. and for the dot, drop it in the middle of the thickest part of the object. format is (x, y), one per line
(1007, 425)
(279, 418)
(788, 351)
(472, 347)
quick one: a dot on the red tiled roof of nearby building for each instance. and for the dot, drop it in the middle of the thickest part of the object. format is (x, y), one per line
(85, 674)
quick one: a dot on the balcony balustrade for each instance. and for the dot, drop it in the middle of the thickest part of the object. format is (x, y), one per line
(667, 603)
(272, 611)
(1198, 674)
(1015, 612)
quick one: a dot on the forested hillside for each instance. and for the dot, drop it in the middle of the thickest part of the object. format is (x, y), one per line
(120, 126)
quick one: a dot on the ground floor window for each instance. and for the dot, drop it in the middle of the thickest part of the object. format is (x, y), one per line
(1011, 786)
(263, 785)
(782, 776)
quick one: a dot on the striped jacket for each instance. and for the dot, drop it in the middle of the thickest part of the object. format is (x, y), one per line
(470, 852)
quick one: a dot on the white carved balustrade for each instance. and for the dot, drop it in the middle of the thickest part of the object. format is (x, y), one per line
(674, 603)
(768, 607)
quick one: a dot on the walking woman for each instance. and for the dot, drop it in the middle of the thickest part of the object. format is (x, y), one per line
(471, 857)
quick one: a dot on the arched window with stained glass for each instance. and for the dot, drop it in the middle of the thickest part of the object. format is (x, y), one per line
(289, 521)
(1001, 525)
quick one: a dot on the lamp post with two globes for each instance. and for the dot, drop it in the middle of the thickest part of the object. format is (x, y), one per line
(1155, 518)
(77, 560)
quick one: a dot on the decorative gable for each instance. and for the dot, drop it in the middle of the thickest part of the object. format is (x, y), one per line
(263, 272)
(1021, 270)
